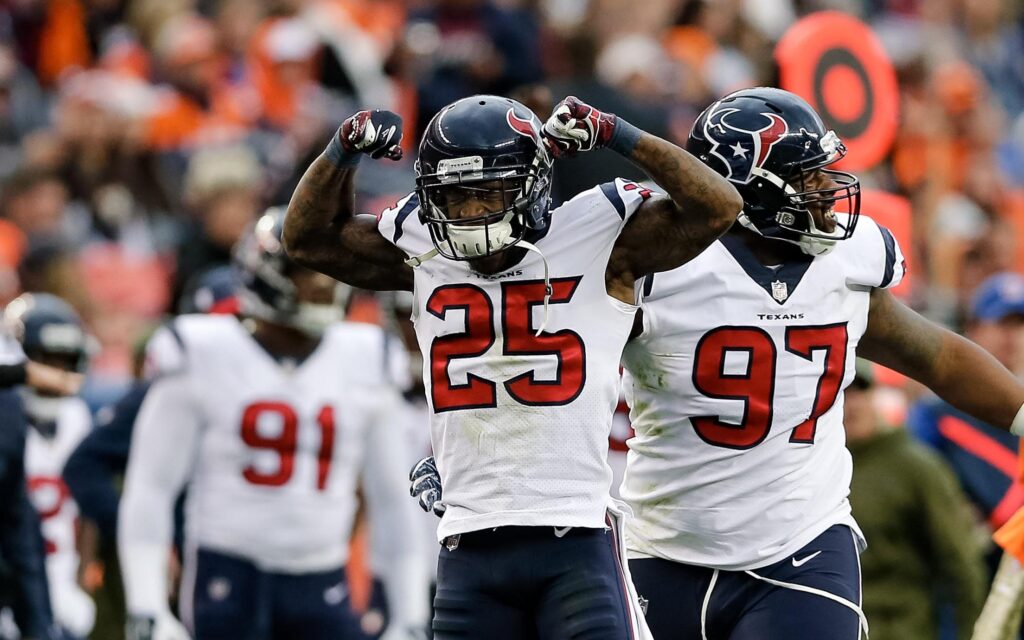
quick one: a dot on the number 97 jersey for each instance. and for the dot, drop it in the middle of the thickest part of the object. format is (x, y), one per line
(735, 388)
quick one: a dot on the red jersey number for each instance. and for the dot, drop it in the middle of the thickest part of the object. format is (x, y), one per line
(754, 382)
(519, 299)
(285, 443)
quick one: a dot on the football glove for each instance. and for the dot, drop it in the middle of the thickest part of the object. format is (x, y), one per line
(376, 133)
(426, 486)
(164, 627)
(575, 127)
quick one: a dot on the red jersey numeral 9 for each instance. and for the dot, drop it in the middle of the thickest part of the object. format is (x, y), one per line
(755, 386)
(285, 443)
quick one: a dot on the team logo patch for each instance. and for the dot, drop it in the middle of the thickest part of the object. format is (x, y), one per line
(749, 151)
(780, 291)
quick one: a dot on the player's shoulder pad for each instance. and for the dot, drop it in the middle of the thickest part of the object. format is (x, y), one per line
(179, 340)
(873, 255)
(395, 223)
(617, 200)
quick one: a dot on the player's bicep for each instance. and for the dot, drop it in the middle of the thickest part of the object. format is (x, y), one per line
(660, 237)
(363, 258)
(899, 338)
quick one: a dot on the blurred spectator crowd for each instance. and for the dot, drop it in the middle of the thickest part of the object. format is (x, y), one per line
(139, 137)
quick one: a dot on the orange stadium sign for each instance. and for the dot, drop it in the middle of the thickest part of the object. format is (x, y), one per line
(835, 62)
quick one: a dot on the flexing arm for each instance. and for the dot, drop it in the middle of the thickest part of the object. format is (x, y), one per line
(664, 232)
(321, 230)
(959, 371)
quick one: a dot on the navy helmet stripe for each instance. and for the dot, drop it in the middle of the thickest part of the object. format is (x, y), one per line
(890, 256)
(612, 193)
(403, 213)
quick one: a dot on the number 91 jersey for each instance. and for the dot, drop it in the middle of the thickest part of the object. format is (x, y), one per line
(520, 421)
(735, 388)
(279, 448)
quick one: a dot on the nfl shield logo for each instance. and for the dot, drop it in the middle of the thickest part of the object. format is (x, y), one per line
(780, 291)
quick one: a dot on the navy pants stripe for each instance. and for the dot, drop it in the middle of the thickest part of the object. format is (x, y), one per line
(522, 583)
(233, 600)
(742, 607)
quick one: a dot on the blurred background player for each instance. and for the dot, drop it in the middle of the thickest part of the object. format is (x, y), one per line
(274, 417)
(922, 557)
(94, 472)
(50, 332)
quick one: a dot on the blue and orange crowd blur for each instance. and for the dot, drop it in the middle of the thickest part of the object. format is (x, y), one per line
(139, 138)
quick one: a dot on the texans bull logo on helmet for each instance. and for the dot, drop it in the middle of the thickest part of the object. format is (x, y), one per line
(526, 127)
(746, 153)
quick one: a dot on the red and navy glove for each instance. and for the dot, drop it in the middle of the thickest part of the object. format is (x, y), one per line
(575, 127)
(376, 133)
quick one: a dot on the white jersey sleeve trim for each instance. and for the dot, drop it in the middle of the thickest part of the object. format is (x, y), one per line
(625, 196)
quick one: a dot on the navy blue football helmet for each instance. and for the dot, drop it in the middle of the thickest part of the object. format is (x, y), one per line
(265, 278)
(483, 144)
(49, 330)
(768, 142)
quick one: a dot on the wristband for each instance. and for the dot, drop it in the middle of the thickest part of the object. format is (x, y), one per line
(338, 156)
(1017, 426)
(625, 137)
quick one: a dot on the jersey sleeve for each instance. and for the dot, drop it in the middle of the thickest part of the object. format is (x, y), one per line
(400, 225)
(626, 196)
(875, 257)
(165, 352)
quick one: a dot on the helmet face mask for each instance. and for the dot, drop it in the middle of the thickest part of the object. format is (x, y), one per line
(270, 287)
(50, 332)
(483, 177)
(775, 150)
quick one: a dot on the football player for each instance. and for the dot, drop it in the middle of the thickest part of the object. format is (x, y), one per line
(521, 322)
(51, 333)
(274, 417)
(738, 475)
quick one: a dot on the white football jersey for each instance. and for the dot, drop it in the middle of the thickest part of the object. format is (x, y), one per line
(281, 446)
(58, 513)
(736, 385)
(520, 422)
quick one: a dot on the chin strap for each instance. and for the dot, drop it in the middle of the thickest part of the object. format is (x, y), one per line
(547, 283)
(416, 261)
(420, 259)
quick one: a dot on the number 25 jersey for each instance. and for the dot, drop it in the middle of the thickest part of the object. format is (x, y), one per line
(735, 388)
(520, 421)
